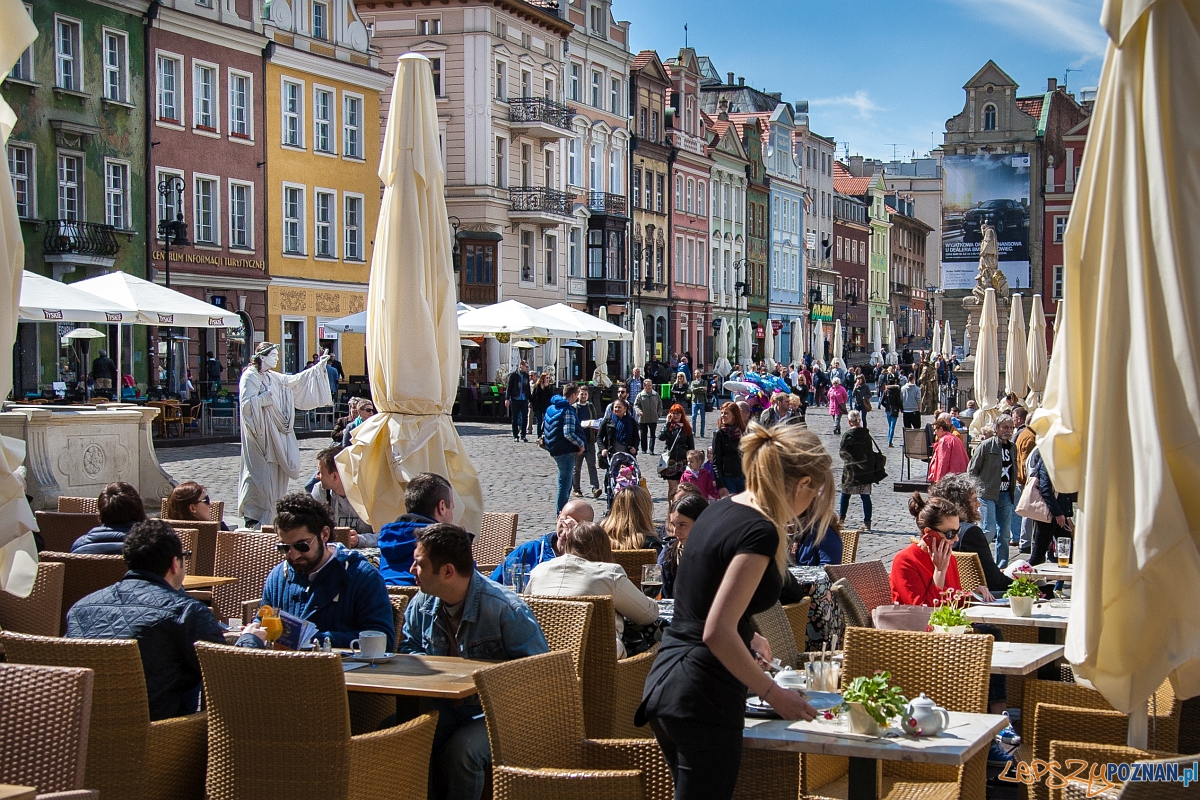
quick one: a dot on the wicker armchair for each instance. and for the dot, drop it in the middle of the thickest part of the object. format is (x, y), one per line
(128, 756)
(205, 551)
(565, 626)
(538, 745)
(84, 574)
(797, 614)
(41, 612)
(854, 610)
(45, 728)
(497, 535)
(850, 545)
(953, 670)
(970, 571)
(632, 562)
(776, 627)
(1096, 756)
(869, 579)
(78, 505)
(216, 511)
(249, 557)
(254, 714)
(60, 529)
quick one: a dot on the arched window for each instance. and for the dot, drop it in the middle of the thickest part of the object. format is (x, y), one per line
(989, 117)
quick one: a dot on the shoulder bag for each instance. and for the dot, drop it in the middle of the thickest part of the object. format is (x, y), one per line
(1031, 505)
(664, 461)
(876, 465)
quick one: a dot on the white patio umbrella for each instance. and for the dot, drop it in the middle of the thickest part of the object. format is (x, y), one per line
(947, 341)
(838, 344)
(892, 358)
(638, 356)
(18, 554)
(1016, 362)
(987, 365)
(799, 345)
(589, 327)
(600, 353)
(1035, 352)
(157, 305)
(935, 346)
(722, 366)
(47, 300)
(516, 319)
(818, 341)
(769, 345)
(1121, 423)
(747, 349)
(412, 327)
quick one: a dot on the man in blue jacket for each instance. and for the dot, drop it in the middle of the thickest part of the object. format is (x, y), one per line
(535, 551)
(331, 586)
(560, 435)
(428, 499)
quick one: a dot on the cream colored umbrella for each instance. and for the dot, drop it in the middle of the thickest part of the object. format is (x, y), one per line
(600, 355)
(412, 323)
(639, 342)
(721, 365)
(892, 358)
(839, 344)
(746, 350)
(1016, 362)
(987, 365)
(18, 554)
(1035, 354)
(818, 342)
(769, 345)
(947, 341)
(1120, 423)
(798, 343)
(935, 346)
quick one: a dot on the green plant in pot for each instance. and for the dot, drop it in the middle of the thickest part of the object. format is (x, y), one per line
(872, 701)
(949, 616)
(1021, 595)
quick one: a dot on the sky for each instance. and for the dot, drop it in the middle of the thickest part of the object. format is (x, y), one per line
(881, 77)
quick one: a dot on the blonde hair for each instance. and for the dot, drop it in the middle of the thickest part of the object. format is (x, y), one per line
(774, 460)
(630, 520)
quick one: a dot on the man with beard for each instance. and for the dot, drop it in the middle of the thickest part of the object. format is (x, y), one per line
(995, 465)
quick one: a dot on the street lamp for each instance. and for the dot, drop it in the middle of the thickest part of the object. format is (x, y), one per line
(172, 232)
(740, 290)
(455, 222)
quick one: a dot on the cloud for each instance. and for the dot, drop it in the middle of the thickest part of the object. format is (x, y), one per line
(860, 101)
(1073, 24)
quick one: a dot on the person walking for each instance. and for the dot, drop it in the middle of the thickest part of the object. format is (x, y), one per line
(649, 409)
(994, 464)
(562, 440)
(677, 440)
(910, 403)
(726, 457)
(892, 404)
(857, 451)
(1025, 441)
(586, 412)
(949, 453)
(861, 398)
(539, 401)
(698, 395)
(516, 400)
(838, 404)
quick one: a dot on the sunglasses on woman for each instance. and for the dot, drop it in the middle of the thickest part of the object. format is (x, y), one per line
(950, 534)
(302, 546)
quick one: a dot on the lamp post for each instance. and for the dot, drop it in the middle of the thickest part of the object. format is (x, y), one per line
(740, 290)
(455, 222)
(172, 232)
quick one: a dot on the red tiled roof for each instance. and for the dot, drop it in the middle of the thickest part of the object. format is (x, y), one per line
(847, 184)
(743, 118)
(642, 59)
(890, 209)
(1031, 105)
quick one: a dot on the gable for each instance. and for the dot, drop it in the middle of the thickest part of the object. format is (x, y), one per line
(990, 73)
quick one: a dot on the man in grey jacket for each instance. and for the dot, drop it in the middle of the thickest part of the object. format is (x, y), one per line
(910, 399)
(995, 465)
(649, 409)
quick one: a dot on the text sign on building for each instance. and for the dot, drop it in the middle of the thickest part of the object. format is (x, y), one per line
(985, 189)
(822, 312)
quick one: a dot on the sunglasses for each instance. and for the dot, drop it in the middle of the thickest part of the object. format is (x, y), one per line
(205, 500)
(302, 546)
(950, 534)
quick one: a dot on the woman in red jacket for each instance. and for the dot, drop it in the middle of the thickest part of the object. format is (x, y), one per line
(949, 454)
(926, 568)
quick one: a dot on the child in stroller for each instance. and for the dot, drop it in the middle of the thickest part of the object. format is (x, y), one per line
(622, 472)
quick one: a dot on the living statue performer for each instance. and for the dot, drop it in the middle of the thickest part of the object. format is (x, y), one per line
(989, 274)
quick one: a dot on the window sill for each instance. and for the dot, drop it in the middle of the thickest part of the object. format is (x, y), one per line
(208, 246)
(299, 147)
(349, 260)
(326, 259)
(241, 249)
(169, 123)
(237, 139)
(210, 133)
(108, 101)
(298, 256)
(325, 153)
(32, 85)
(72, 93)
(354, 159)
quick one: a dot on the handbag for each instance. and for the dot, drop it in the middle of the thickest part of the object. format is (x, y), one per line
(1032, 505)
(877, 465)
(664, 460)
(902, 618)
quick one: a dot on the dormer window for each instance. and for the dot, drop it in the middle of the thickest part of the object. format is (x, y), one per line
(598, 27)
(320, 21)
(989, 117)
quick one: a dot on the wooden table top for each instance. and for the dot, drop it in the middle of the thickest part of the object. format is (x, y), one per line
(10, 792)
(442, 677)
(1044, 616)
(966, 736)
(205, 581)
(1022, 658)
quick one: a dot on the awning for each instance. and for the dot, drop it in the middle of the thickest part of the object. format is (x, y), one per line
(596, 327)
(47, 300)
(513, 318)
(157, 305)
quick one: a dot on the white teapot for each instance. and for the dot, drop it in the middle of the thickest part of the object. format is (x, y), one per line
(789, 678)
(923, 717)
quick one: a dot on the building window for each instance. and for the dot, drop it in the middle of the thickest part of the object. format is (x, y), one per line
(293, 114)
(293, 220)
(501, 80)
(67, 51)
(70, 179)
(20, 168)
(550, 252)
(679, 193)
(526, 83)
(526, 164)
(115, 59)
(598, 26)
(614, 172)
(574, 264)
(649, 191)
(206, 214)
(691, 190)
(320, 21)
(527, 256)
(240, 102)
(595, 176)
(170, 205)
(116, 195)
(204, 114)
(479, 266)
(1060, 226)
(659, 191)
(701, 204)
(641, 132)
(1058, 282)
(430, 26)
(701, 272)
(23, 69)
(436, 63)
(576, 71)
(501, 162)
(637, 188)
(241, 208)
(614, 96)
(573, 162)
(352, 225)
(169, 99)
(658, 270)
(323, 203)
(352, 126)
(323, 120)
(595, 253)
(596, 90)
(989, 117)
(654, 125)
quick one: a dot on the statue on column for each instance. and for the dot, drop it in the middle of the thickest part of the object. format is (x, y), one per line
(268, 402)
(989, 275)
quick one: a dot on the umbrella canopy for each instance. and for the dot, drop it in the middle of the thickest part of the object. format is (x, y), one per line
(412, 324)
(799, 345)
(892, 358)
(84, 333)
(1016, 363)
(1121, 423)
(769, 345)
(987, 365)
(600, 353)
(935, 347)
(18, 555)
(515, 319)
(639, 342)
(747, 349)
(818, 341)
(722, 366)
(47, 300)
(1035, 352)
(947, 341)
(157, 305)
(838, 344)
(590, 327)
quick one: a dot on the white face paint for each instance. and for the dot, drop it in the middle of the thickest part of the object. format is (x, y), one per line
(271, 360)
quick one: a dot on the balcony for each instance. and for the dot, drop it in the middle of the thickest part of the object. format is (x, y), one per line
(539, 204)
(900, 288)
(540, 118)
(547, 6)
(607, 290)
(69, 244)
(605, 203)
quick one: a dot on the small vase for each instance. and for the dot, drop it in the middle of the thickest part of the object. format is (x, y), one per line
(1021, 606)
(861, 721)
(952, 629)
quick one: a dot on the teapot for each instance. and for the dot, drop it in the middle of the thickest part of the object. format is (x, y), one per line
(789, 678)
(923, 717)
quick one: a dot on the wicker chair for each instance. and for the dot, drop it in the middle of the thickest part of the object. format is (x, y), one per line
(970, 571)
(565, 626)
(216, 511)
(632, 562)
(41, 613)
(538, 744)
(869, 579)
(408, 591)
(797, 614)
(249, 557)
(60, 529)
(497, 535)
(850, 545)
(128, 756)
(254, 715)
(854, 610)
(204, 554)
(45, 729)
(953, 670)
(776, 627)
(78, 505)
(1096, 756)
(84, 574)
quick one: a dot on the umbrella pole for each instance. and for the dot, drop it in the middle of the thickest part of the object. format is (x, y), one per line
(120, 383)
(1138, 724)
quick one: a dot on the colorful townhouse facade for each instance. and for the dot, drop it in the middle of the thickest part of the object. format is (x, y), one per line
(758, 238)
(786, 299)
(1062, 176)
(851, 249)
(728, 220)
(906, 272)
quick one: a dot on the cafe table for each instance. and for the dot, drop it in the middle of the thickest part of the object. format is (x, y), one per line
(1048, 619)
(1022, 658)
(965, 736)
(1052, 572)
(442, 677)
(11, 792)
(205, 581)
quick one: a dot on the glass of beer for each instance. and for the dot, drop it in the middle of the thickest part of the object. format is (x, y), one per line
(1062, 549)
(652, 580)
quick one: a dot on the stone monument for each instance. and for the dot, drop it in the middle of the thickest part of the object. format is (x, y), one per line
(989, 276)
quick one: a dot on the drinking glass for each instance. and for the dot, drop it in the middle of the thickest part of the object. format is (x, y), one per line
(517, 576)
(1062, 548)
(652, 580)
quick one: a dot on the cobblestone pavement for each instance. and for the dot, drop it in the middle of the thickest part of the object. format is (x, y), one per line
(522, 478)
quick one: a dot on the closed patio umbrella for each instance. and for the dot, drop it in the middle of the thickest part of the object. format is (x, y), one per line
(747, 350)
(818, 341)
(1035, 352)
(1120, 422)
(947, 341)
(412, 323)
(1016, 362)
(600, 354)
(799, 343)
(935, 346)
(987, 365)
(639, 342)
(769, 345)
(838, 344)
(892, 358)
(722, 366)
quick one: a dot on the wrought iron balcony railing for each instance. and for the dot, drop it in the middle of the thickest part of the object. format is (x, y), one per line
(534, 199)
(539, 109)
(81, 238)
(549, 6)
(606, 203)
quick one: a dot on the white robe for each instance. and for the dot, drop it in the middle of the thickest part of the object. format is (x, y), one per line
(270, 455)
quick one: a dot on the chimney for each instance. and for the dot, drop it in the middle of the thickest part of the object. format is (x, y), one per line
(741, 81)
(1051, 84)
(730, 81)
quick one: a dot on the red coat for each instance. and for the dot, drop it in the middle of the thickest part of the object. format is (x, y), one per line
(949, 458)
(912, 578)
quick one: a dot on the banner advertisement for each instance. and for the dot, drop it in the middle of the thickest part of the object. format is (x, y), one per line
(985, 189)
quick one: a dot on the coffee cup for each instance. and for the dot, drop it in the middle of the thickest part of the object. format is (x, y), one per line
(370, 644)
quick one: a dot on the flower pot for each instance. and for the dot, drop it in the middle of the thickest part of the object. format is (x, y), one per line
(861, 721)
(953, 629)
(1021, 606)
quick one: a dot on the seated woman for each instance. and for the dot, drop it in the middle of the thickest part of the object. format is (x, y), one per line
(630, 522)
(684, 512)
(813, 549)
(949, 453)
(584, 569)
(963, 491)
(120, 508)
(190, 501)
(926, 569)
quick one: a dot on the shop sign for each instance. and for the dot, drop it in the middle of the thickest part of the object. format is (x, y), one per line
(822, 312)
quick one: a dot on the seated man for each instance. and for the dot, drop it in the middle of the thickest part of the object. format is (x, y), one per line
(428, 499)
(458, 612)
(147, 605)
(120, 508)
(331, 586)
(535, 551)
(329, 490)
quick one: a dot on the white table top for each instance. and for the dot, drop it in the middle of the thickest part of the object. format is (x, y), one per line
(966, 736)
(1022, 658)
(1051, 571)
(1044, 616)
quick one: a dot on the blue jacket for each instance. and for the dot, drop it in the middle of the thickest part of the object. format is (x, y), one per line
(165, 622)
(397, 543)
(495, 624)
(559, 428)
(102, 540)
(829, 551)
(346, 596)
(530, 554)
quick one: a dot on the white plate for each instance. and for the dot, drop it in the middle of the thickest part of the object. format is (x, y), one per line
(366, 660)
(821, 701)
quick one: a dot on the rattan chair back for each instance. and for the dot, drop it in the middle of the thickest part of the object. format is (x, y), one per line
(249, 557)
(85, 574)
(970, 571)
(775, 627)
(850, 545)
(44, 726)
(399, 606)
(854, 610)
(797, 614)
(40, 613)
(216, 511)
(565, 626)
(60, 529)
(953, 670)
(204, 553)
(1102, 755)
(409, 591)
(869, 579)
(632, 562)
(497, 535)
(78, 505)
(599, 666)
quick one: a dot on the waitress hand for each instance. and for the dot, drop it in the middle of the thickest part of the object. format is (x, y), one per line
(790, 704)
(761, 649)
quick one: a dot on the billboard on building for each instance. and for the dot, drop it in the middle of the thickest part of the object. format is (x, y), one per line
(992, 189)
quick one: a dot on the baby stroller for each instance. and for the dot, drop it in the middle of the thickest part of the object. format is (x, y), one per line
(622, 472)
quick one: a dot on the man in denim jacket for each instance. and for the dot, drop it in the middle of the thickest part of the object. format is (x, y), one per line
(458, 612)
